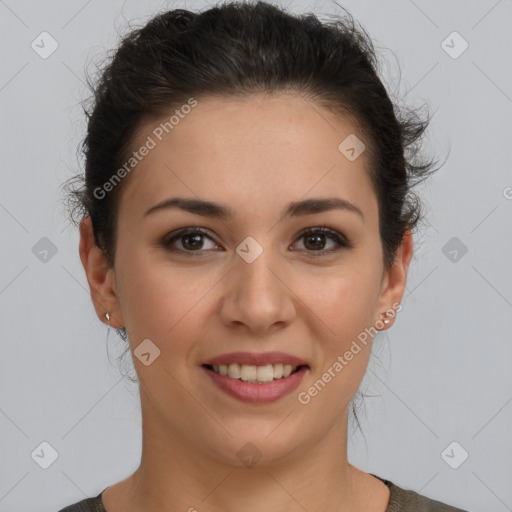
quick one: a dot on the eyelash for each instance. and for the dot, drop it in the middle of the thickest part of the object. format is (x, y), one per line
(342, 241)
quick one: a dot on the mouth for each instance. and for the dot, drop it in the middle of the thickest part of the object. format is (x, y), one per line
(256, 378)
(255, 374)
(256, 384)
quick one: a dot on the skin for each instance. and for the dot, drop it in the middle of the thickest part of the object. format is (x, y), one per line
(255, 155)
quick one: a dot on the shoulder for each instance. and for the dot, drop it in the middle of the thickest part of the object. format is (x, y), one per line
(88, 505)
(402, 500)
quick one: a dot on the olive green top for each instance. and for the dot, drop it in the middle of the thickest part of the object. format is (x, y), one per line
(400, 500)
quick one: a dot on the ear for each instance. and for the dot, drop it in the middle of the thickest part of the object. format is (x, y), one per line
(99, 276)
(393, 283)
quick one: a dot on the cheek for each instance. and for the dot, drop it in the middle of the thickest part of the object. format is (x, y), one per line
(344, 307)
(343, 302)
(161, 301)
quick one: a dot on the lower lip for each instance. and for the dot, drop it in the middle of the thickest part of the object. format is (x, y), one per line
(257, 393)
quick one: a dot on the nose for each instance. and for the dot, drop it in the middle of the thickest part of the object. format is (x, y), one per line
(258, 295)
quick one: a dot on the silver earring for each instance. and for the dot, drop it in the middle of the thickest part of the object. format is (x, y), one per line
(386, 320)
(121, 331)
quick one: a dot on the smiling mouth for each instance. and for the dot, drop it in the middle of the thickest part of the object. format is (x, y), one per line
(255, 374)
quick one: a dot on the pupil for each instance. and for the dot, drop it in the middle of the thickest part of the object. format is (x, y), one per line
(317, 237)
(197, 238)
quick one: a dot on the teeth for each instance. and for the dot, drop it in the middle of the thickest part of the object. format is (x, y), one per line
(254, 374)
(234, 371)
(247, 372)
(278, 371)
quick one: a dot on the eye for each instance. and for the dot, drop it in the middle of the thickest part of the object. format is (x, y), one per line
(192, 241)
(189, 238)
(315, 240)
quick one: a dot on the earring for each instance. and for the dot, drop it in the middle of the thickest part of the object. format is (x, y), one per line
(121, 331)
(386, 320)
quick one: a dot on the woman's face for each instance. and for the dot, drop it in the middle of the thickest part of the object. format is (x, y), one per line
(251, 281)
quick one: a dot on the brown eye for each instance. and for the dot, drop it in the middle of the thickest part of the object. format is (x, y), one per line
(190, 239)
(315, 240)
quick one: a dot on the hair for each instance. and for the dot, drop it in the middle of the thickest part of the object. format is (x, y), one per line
(236, 50)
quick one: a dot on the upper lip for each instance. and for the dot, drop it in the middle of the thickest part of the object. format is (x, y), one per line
(256, 359)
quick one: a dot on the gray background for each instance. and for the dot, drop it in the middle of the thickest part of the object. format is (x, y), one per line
(443, 371)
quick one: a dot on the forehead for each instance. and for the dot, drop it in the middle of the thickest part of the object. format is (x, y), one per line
(253, 153)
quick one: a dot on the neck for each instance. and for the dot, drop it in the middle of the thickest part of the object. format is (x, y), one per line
(174, 474)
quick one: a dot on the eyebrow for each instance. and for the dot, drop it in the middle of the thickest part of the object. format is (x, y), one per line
(223, 212)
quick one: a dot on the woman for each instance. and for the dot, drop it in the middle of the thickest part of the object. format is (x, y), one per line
(246, 225)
